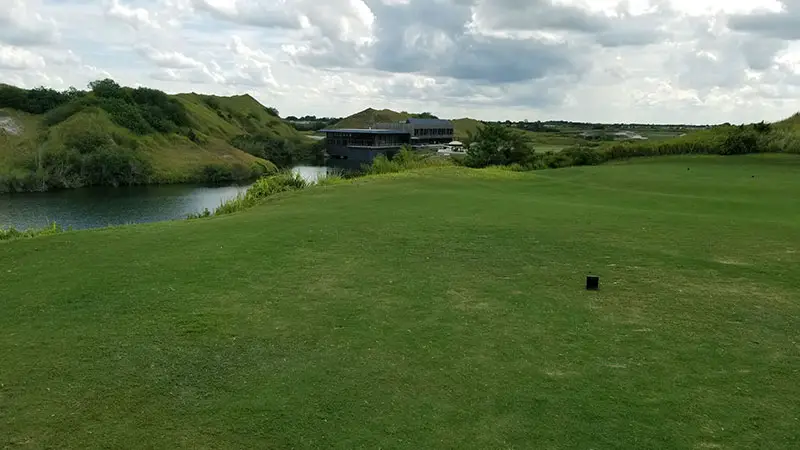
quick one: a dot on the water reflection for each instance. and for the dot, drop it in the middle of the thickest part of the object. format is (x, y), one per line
(97, 207)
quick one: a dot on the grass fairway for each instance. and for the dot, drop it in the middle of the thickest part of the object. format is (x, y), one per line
(435, 309)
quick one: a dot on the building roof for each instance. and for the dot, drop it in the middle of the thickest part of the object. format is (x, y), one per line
(430, 123)
(363, 131)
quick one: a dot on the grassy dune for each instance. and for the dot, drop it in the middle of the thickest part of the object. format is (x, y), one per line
(433, 309)
(174, 157)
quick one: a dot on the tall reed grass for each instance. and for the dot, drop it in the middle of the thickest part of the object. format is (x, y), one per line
(11, 233)
(263, 188)
(405, 159)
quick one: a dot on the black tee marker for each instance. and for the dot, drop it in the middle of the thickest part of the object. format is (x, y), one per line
(592, 283)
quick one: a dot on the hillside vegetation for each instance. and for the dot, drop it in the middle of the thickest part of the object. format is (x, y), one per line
(442, 308)
(112, 135)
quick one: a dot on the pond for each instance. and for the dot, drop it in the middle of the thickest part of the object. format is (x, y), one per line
(98, 207)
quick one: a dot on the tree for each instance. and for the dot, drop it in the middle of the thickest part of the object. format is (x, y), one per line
(496, 144)
(424, 115)
(107, 88)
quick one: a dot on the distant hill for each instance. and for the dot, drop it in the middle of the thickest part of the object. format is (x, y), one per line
(117, 135)
(792, 122)
(370, 116)
(466, 126)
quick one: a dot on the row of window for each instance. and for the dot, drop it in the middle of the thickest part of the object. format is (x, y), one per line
(375, 141)
(433, 132)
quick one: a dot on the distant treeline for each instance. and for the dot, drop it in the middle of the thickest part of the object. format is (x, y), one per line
(311, 123)
(565, 124)
(499, 145)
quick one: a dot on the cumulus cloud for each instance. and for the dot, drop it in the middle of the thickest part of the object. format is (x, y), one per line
(15, 58)
(279, 13)
(168, 59)
(22, 25)
(245, 66)
(784, 24)
(135, 17)
(660, 60)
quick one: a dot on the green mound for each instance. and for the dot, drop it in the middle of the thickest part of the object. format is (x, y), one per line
(77, 138)
(370, 116)
(466, 127)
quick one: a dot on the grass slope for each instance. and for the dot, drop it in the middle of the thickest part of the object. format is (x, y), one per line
(792, 123)
(463, 127)
(445, 309)
(370, 116)
(175, 158)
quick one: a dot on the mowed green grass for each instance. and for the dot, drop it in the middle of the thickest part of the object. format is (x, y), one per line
(434, 309)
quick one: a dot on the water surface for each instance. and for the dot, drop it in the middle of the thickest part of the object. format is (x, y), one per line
(98, 207)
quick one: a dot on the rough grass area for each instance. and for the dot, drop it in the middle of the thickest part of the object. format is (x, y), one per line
(442, 308)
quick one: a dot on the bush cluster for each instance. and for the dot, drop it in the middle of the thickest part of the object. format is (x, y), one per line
(35, 101)
(282, 152)
(141, 110)
(228, 173)
(89, 157)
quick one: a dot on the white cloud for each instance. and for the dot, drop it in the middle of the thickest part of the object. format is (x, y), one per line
(135, 17)
(21, 24)
(15, 58)
(651, 60)
(169, 59)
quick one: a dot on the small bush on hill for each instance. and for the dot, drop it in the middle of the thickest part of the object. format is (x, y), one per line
(496, 144)
(282, 152)
(229, 173)
(87, 140)
(67, 110)
(739, 142)
(33, 101)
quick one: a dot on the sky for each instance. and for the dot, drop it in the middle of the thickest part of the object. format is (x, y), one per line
(647, 61)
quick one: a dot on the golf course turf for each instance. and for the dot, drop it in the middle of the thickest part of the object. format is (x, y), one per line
(442, 308)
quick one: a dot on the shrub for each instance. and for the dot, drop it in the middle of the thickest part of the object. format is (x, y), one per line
(496, 144)
(126, 115)
(223, 173)
(582, 156)
(740, 142)
(67, 110)
(86, 140)
(215, 174)
(33, 101)
(283, 153)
